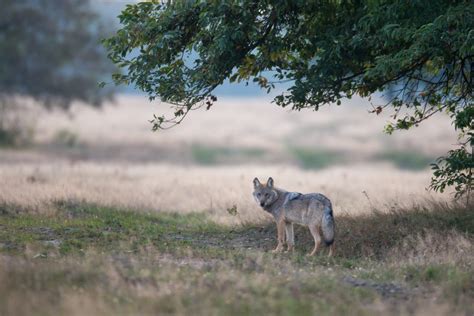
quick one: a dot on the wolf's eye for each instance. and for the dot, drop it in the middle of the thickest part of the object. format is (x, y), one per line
(266, 195)
(258, 194)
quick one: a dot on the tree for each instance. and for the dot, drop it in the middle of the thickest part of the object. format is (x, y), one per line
(421, 52)
(50, 51)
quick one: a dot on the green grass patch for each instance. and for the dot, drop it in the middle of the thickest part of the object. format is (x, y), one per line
(316, 159)
(7, 138)
(207, 155)
(409, 160)
(456, 283)
(78, 226)
(66, 138)
(440, 273)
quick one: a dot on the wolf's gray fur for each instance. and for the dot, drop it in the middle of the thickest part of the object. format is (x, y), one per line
(313, 210)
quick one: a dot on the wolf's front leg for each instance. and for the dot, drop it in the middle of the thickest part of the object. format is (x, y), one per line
(281, 236)
(290, 236)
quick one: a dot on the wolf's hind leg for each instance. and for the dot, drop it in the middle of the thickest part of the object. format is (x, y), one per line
(290, 236)
(331, 250)
(317, 238)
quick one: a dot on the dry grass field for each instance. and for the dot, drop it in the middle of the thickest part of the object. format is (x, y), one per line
(100, 216)
(110, 157)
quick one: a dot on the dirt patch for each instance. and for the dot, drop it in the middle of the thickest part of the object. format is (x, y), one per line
(262, 238)
(386, 290)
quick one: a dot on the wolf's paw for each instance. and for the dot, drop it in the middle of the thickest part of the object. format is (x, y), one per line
(290, 249)
(277, 250)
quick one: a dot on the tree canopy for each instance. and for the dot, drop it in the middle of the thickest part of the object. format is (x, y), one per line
(420, 53)
(50, 50)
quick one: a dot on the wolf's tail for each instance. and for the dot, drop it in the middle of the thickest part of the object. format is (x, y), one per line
(328, 226)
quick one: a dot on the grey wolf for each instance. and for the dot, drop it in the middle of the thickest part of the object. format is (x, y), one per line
(313, 210)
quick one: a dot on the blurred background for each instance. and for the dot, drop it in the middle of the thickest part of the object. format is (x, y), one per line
(62, 136)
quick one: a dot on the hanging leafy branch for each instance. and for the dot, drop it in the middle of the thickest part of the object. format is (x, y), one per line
(419, 53)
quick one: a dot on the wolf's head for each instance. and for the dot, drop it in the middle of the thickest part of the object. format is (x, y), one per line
(264, 194)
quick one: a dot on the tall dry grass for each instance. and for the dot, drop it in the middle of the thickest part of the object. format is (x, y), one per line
(112, 158)
(165, 187)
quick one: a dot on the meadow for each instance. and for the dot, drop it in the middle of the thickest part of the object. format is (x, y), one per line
(100, 216)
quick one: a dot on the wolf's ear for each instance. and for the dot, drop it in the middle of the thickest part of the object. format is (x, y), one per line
(270, 182)
(256, 183)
